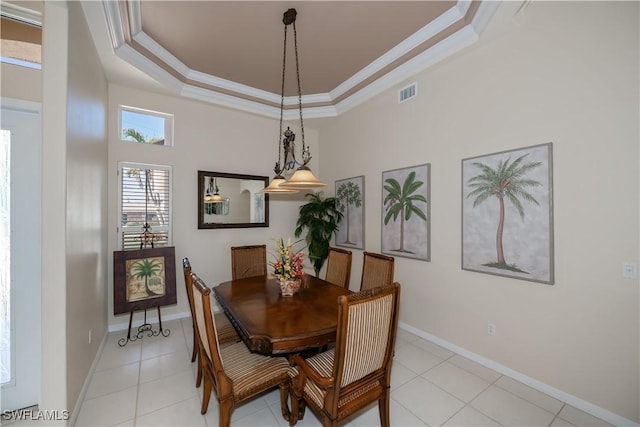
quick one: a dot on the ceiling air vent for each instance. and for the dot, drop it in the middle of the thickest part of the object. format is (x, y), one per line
(408, 92)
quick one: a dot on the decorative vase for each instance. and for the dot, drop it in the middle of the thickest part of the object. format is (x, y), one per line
(289, 287)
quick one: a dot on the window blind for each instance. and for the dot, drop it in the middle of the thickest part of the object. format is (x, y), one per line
(145, 199)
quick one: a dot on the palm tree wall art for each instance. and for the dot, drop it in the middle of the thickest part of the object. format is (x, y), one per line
(350, 201)
(507, 221)
(143, 278)
(405, 212)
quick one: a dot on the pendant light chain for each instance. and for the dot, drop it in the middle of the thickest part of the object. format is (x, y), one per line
(302, 178)
(305, 152)
(278, 168)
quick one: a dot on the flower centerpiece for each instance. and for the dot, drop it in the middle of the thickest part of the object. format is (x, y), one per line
(288, 267)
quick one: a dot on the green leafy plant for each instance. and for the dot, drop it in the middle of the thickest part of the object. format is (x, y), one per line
(320, 217)
(506, 181)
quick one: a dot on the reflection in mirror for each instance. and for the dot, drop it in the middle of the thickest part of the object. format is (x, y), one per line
(232, 200)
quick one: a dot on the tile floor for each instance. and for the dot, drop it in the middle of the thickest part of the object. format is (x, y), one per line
(152, 383)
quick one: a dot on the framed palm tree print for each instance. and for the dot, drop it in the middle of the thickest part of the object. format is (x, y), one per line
(143, 278)
(507, 214)
(406, 222)
(350, 201)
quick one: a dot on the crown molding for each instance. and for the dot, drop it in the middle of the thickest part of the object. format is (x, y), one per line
(144, 53)
(19, 13)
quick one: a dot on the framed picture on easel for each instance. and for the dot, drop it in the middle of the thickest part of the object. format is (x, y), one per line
(144, 278)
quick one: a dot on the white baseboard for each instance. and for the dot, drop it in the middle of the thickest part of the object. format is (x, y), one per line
(574, 401)
(139, 319)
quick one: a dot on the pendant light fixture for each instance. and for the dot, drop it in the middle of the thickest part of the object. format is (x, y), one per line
(303, 178)
(213, 192)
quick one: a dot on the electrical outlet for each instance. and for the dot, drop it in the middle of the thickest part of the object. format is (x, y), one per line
(629, 270)
(89, 336)
(491, 329)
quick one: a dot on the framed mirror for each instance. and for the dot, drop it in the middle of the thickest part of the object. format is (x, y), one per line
(229, 200)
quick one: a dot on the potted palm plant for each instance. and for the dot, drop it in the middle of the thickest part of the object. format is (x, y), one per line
(320, 217)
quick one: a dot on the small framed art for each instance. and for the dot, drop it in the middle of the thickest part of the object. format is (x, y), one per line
(350, 201)
(143, 278)
(406, 221)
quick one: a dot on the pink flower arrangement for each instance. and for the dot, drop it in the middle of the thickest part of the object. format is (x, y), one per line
(288, 263)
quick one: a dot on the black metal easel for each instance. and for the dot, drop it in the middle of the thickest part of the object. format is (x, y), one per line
(146, 238)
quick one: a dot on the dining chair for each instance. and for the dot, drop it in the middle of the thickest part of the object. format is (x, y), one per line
(377, 270)
(233, 372)
(339, 267)
(344, 380)
(226, 331)
(248, 261)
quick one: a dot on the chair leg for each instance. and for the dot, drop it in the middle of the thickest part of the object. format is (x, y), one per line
(199, 370)
(195, 345)
(224, 412)
(206, 395)
(383, 407)
(199, 374)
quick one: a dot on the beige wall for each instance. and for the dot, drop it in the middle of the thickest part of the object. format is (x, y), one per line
(206, 138)
(86, 186)
(560, 72)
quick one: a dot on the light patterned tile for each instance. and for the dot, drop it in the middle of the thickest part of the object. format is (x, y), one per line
(534, 396)
(475, 368)
(113, 379)
(108, 410)
(509, 409)
(262, 418)
(400, 374)
(115, 356)
(165, 391)
(439, 351)
(185, 413)
(580, 418)
(416, 359)
(462, 384)
(469, 417)
(559, 422)
(414, 395)
(160, 345)
(162, 366)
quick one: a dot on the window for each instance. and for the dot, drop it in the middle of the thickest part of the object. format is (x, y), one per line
(21, 38)
(145, 127)
(145, 198)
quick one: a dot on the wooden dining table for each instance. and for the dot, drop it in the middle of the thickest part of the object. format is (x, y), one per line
(272, 324)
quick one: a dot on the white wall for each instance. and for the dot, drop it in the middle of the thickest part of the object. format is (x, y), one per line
(54, 195)
(206, 138)
(561, 72)
(86, 184)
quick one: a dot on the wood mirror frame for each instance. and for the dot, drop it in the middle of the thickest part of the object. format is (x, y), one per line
(244, 205)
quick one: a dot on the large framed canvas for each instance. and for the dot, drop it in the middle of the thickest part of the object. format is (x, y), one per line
(350, 201)
(406, 225)
(507, 214)
(143, 278)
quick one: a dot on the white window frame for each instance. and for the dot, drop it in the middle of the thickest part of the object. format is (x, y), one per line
(169, 227)
(168, 123)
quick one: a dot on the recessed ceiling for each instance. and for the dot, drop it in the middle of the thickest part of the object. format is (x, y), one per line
(230, 52)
